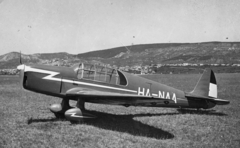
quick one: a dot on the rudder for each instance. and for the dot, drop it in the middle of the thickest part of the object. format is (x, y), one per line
(207, 85)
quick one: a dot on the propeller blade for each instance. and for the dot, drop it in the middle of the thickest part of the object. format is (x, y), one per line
(20, 58)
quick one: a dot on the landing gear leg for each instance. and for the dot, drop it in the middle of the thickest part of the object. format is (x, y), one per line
(81, 106)
(59, 109)
(180, 109)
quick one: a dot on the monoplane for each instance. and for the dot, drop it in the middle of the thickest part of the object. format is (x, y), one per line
(104, 85)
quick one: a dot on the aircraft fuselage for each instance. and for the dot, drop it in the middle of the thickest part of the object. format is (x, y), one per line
(56, 81)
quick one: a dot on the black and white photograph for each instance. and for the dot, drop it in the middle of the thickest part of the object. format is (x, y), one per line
(119, 73)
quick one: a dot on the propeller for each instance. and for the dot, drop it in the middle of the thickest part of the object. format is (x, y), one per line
(20, 58)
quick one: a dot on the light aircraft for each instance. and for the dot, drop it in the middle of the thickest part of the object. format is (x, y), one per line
(100, 84)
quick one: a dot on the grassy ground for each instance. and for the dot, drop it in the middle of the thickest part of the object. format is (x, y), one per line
(25, 120)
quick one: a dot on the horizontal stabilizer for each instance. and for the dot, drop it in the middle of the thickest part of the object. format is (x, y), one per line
(221, 101)
(206, 89)
(215, 100)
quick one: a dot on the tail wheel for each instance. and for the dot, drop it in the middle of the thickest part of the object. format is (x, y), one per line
(209, 104)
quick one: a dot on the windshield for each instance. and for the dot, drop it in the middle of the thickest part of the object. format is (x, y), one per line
(99, 73)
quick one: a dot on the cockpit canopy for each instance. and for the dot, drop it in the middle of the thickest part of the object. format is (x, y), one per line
(99, 73)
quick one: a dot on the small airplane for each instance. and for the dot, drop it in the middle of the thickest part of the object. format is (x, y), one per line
(100, 84)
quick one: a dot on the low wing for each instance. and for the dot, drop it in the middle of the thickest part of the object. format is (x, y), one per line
(90, 92)
(96, 96)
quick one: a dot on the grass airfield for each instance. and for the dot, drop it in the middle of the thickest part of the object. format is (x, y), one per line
(26, 121)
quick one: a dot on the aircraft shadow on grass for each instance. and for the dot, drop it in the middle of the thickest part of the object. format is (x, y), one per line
(126, 123)
(201, 112)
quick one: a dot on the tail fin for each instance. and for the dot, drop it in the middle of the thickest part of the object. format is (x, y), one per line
(207, 85)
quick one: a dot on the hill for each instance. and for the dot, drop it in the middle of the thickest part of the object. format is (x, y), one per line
(172, 53)
(12, 59)
(136, 55)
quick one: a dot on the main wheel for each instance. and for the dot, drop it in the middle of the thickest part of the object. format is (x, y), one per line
(76, 115)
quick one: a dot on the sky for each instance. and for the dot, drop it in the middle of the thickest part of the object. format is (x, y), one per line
(78, 26)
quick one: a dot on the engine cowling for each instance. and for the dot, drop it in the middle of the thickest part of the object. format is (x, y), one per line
(76, 115)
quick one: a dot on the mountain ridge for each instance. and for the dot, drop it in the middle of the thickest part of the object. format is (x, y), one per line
(141, 54)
